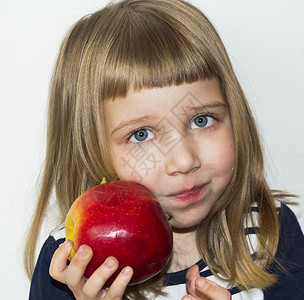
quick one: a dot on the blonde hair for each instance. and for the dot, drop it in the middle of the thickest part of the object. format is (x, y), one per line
(145, 44)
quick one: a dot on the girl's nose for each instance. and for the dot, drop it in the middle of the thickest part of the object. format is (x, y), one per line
(182, 159)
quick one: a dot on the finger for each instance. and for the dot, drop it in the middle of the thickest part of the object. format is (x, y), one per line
(211, 290)
(58, 264)
(202, 288)
(120, 283)
(75, 272)
(191, 276)
(97, 280)
(189, 297)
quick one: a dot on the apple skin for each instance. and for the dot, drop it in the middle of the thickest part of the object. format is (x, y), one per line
(121, 219)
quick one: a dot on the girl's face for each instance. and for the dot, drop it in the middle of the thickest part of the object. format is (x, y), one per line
(177, 141)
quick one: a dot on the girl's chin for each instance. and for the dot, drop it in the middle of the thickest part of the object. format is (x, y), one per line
(187, 220)
(182, 226)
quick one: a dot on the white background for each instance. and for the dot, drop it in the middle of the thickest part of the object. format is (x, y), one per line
(265, 40)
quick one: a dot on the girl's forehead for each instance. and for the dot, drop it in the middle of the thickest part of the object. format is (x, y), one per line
(203, 90)
(146, 105)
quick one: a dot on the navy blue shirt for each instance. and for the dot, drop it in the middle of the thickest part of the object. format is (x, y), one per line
(290, 253)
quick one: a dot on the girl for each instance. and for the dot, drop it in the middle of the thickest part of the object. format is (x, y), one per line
(145, 91)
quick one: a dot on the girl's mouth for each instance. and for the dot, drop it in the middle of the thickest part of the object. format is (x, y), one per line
(189, 195)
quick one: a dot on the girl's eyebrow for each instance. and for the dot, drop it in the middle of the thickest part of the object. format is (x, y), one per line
(132, 122)
(189, 109)
(207, 106)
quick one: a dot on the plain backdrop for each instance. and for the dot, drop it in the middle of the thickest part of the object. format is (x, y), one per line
(265, 41)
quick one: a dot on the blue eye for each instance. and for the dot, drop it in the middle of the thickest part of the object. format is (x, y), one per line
(202, 121)
(141, 135)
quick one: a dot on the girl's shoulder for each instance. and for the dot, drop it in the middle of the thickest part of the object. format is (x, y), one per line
(58, 234)
(289, 226)
(287, 218)
(289, 263)
(42, 285)
(283, 210)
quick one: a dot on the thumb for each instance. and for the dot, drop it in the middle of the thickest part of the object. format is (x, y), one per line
(191, 277)
(211, 290)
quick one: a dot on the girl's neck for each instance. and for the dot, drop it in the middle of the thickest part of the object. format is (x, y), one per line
(185, 252)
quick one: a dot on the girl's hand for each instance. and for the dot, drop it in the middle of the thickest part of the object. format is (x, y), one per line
(91, 288)
(202, 288)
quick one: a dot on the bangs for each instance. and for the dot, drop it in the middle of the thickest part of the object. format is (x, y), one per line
(147, 49)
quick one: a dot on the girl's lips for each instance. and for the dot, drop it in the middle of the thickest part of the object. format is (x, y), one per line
(189, 195)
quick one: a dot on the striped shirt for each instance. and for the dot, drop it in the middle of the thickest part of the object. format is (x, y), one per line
(290, 253)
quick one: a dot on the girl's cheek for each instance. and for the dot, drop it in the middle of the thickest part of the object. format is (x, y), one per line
(138, 163)
(226, 158)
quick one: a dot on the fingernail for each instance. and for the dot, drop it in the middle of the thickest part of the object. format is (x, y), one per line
(83, 251)
(109, 263)
(66, 244)
(202, 283)
(126, 271)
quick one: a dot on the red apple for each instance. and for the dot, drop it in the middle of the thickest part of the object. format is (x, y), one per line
(121, 219)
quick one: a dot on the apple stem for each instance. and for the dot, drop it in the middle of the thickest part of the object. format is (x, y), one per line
(104, 180)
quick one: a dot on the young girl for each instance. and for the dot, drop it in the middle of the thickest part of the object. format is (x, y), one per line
(143, 90)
